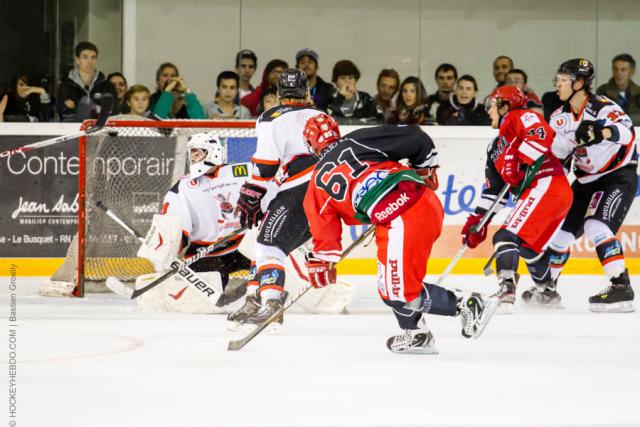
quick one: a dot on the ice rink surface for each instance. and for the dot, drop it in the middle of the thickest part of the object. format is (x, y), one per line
(101, 362)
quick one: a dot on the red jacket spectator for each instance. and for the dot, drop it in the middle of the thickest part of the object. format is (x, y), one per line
(270, 78)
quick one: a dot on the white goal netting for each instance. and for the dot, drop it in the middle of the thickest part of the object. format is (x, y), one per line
(128, 167)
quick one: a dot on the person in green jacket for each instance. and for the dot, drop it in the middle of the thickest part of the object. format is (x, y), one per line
(177, 101)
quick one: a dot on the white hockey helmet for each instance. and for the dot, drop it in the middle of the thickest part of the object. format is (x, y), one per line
(215, 153)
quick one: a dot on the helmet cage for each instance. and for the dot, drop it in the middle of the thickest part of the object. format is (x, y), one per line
(215, 153)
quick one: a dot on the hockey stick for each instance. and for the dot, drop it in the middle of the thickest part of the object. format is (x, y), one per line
(106, 105)
(526, 181)
(479, 226)
(236, 345)
(180, 267)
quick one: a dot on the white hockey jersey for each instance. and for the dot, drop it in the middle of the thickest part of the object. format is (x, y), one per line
(281, 153)
(590, 163)
(206, 205)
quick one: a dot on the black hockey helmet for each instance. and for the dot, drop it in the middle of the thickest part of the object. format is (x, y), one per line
(578, 67)
(293, 83)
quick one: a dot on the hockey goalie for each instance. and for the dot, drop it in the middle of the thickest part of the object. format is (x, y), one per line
(199, 210)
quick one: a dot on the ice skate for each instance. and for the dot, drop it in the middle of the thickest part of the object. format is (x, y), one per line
(265, 312)
(413, 341)
(236, 319)
(617, 298)
(506, 295)
(544, 295)
(475, 313)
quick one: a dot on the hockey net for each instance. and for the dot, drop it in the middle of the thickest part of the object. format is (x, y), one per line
(128, 167)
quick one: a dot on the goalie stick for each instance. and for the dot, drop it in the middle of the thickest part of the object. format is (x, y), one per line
(106, 106)
(236, 345)
(178, 267)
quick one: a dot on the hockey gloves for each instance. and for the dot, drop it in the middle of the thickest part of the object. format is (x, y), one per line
(589, 133)
(470, 236)
(511, 173)
(321, 273)
(249, 204)
(430, 177)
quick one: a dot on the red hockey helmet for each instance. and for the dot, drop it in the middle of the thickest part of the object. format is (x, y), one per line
(511, 95)
(319, 132)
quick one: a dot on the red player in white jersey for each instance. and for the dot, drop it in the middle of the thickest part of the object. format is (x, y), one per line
(543, 196)
(359, 179)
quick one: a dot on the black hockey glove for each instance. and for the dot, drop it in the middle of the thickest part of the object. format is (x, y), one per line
(589, 133)
(249, 204)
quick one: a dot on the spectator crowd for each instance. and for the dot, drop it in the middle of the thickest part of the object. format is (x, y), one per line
(397, 101)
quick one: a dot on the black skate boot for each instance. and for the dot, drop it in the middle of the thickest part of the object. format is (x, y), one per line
(266, 311)
(239, 317)
(617, 298)
(475, 313)
(543, 295)
(414, 341)
(506, 294)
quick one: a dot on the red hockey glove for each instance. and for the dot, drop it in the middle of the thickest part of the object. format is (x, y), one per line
(321, 273)
(249, 204)
(430, 177)
(470, 236)
(511, 172)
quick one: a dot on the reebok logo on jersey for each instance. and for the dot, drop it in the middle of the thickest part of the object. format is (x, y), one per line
(179, 294)
(392, 207)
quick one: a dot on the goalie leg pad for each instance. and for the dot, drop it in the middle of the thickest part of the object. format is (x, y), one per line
(181, 297)
(331, 299)
(162, 242)
(152, 300)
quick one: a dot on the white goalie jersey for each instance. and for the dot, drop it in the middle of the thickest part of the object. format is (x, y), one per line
(195, 213)
(206, 205)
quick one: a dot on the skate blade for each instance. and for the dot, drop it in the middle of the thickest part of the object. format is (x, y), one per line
(533, 306)
(272, 329)
(420, 350)
(618, 307)
(504, 308)
(234, 326)
(488, 312)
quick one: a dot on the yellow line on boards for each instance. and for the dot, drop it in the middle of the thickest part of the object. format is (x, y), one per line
(46, 266)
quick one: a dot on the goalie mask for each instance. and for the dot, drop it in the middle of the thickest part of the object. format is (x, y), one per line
(214, 153)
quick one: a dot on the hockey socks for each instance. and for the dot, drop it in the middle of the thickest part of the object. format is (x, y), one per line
(537, 264)
(611, 257)
(557, 261)
(433, 299)
(271, 281)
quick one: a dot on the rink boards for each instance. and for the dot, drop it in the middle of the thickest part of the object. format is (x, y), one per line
(462, 152)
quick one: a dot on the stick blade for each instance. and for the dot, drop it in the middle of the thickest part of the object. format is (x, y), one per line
(119, 288)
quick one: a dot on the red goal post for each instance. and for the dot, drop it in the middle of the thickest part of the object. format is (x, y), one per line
(129, 166)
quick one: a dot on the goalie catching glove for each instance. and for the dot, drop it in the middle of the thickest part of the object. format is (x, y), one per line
(249, 204)
(321, 273)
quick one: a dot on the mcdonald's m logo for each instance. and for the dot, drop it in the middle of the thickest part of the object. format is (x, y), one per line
(240, 170)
